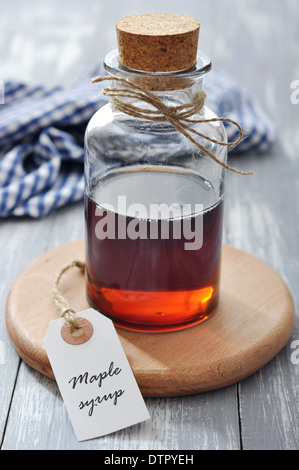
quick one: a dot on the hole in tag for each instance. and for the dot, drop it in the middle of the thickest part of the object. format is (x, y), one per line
(78, 336)
(78, 333)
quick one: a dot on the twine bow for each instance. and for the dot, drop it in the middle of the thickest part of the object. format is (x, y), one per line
(66, 311)
(178, 116)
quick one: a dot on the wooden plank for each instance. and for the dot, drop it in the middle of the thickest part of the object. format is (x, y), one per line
(259, 402)
(21, 242)
(38, 420)
(262, 211)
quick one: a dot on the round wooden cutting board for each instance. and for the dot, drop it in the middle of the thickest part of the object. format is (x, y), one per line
(252, 323)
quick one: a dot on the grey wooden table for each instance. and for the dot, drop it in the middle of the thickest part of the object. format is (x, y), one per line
(257, 43)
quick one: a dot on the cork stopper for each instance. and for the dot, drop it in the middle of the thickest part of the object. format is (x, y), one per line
(157, 42)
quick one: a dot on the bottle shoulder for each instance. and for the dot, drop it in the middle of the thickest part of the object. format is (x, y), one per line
(115, 123)
(115, 140)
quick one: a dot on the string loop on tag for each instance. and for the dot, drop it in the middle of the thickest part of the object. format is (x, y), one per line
(66, 311)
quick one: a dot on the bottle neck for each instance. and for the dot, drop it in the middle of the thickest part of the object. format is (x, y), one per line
(176, 88)
(173, 92)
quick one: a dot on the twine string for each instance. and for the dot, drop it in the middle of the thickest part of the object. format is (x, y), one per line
(66, 311)
(178, 116)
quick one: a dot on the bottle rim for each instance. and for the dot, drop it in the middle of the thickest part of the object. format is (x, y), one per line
(114, 67)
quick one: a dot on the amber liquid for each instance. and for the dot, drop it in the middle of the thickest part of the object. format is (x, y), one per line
(152, 284)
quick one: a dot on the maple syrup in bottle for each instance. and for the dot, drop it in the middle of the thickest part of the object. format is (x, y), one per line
(146, 273)
(154, 197)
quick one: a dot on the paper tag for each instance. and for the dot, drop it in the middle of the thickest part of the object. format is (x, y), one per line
(93, 374)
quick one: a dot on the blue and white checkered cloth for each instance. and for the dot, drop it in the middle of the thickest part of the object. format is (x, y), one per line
(42, 137)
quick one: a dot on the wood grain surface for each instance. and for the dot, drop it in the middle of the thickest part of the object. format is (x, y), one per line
(251, 324)
(257, 43)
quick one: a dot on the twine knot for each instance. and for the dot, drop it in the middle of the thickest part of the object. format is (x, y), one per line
(179, 116)
(66, 311)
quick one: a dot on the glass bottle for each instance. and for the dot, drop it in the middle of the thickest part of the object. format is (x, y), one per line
(153, 207)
